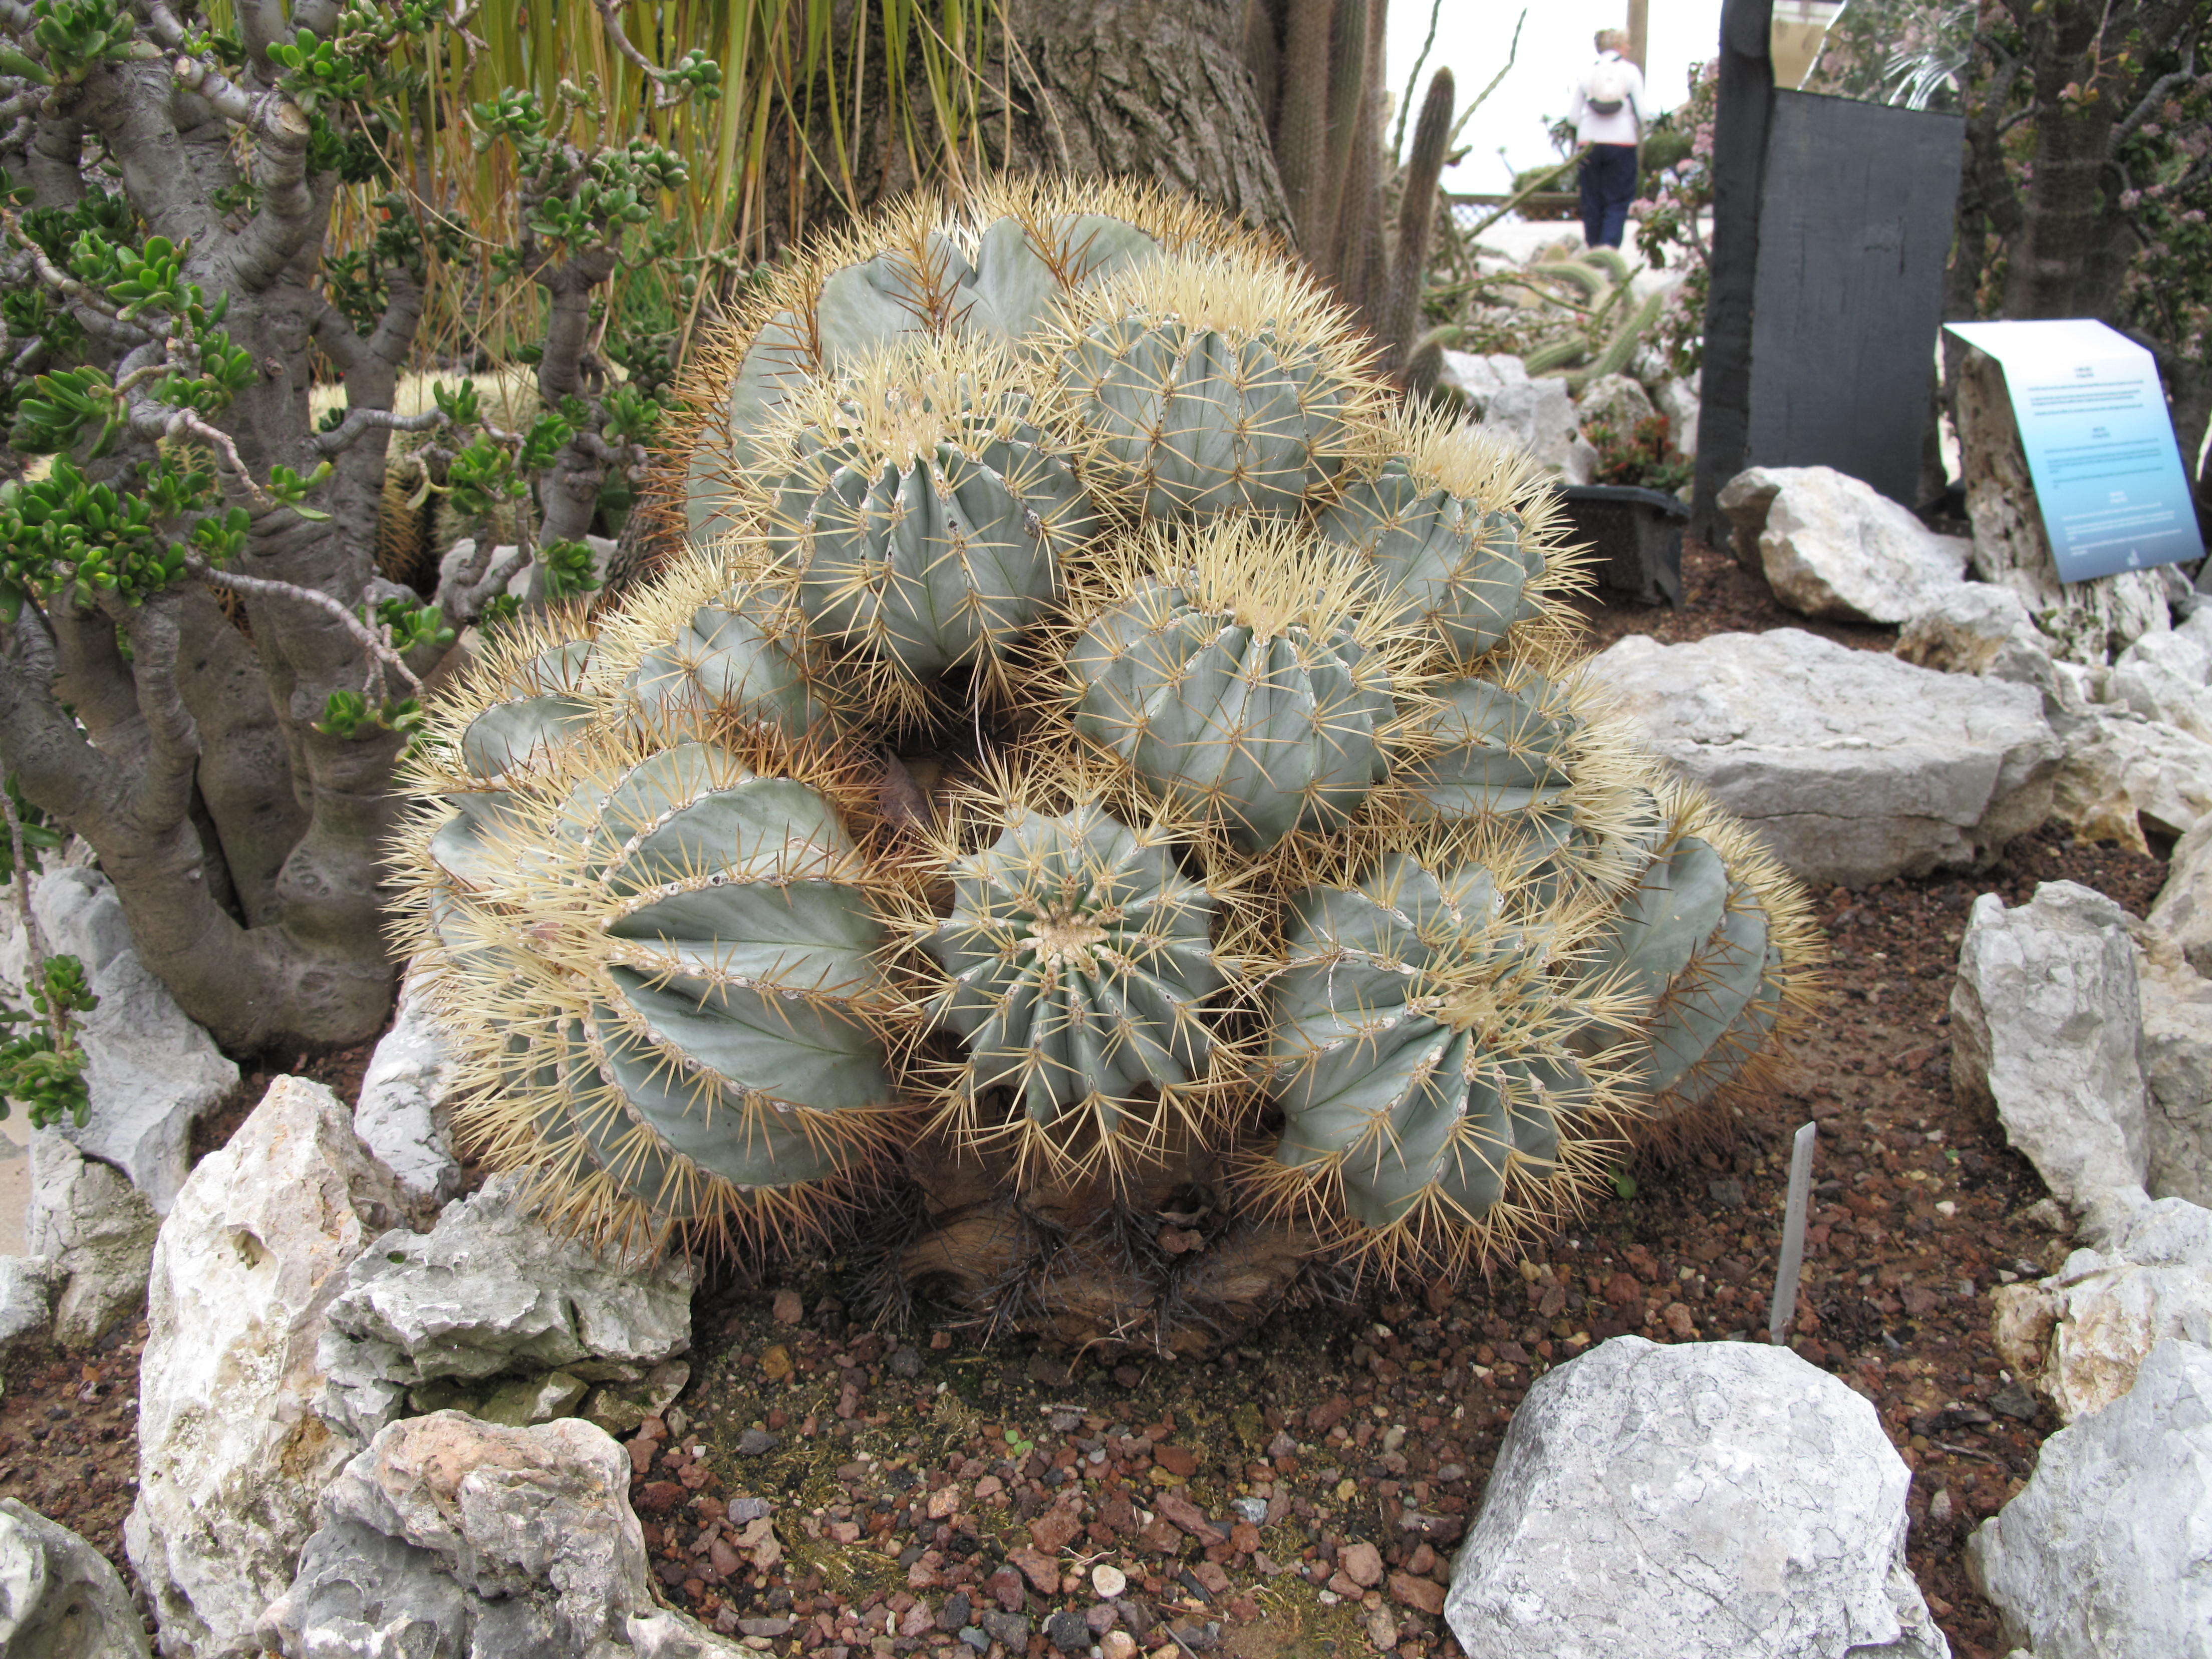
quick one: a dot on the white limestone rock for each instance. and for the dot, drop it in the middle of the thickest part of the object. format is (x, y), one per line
(232, 1456)
(1853, 766)
(1833, 546)
(1615, 401)
(27, 1284)
(2046, 1027)
(1478, 379)
(454, 1536)
(2168, 678)
(1677, 399)
(404, 1112)
(2183, 910)
(1537, 417)
(2176, 1056)
(97, 1229)
(492, 1291)
(2081, 1335)
(1704, 1500)
(2107, 1555)
(2120, 775)
(149, 1071)
(1975, 627)
(59, 1597)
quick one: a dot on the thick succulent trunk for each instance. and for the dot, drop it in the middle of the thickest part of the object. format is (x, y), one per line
(245, 846)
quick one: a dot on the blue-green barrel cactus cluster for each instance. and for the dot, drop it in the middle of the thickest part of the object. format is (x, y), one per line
(1102, 784)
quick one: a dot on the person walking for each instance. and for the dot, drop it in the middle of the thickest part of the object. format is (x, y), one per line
(1607, 111)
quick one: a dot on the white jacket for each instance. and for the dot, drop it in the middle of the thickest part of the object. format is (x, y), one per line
(1624, 125)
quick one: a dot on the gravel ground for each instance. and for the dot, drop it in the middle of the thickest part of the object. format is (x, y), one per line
(826, 1487)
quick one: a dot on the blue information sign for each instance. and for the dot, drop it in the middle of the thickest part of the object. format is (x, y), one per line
(2099, 443)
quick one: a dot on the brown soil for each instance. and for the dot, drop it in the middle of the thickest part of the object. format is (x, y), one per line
(918, 1482)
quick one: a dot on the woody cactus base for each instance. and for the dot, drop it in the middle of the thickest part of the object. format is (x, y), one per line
(1106, 794)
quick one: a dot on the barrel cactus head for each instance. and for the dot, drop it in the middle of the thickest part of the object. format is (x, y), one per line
(713, 641)
(1090, 978)
(996, 267)
(1207, 383)
(1462, 530)
(921, 511)
(1242, 671)
(672, 986)
(1714, 945)
(1445, 1071)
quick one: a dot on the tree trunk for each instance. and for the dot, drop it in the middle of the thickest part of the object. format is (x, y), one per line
(1150, 89)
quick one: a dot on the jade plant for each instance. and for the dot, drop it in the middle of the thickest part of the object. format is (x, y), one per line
(1104, 792)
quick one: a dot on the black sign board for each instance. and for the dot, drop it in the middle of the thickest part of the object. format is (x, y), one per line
(1856, 207)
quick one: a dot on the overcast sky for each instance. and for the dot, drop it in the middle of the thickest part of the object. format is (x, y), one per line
(1555, 49)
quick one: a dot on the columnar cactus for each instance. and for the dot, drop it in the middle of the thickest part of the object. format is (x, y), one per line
(1102, 767)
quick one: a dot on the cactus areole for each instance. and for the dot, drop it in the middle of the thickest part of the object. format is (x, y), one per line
(1101, 782)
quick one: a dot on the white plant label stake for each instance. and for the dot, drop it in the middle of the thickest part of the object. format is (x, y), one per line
(1793, 1235)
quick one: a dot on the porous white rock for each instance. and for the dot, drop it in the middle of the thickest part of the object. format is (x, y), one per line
(149, 1071)
(453, 1536)
(1614, 401)
(1537, 417)
(2081, 1335)
(1692, 1501)
(403, 1113)
(232, 1455)
(1677, 399)
(1852, 766)
(97, 1229)
(2168, 678)
(2107, 1553)
(59, 1597)
(2046, 1027)
(2183, 910)
(491, 1289)
(1477, 378)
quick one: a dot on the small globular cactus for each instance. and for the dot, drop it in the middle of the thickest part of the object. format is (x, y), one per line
(1079, 965)
(1242, 671)
(1430, 1067)
(921, 511)
(1210, 383)
(1456, 530)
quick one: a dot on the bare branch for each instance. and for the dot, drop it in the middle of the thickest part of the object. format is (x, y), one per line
(32, 934)
(667, 90)
(369, 639)
(229, 99)
(359, 422)
(260, 25)
(149, 419)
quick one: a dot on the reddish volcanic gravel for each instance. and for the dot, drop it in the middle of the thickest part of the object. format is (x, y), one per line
(828, 1488)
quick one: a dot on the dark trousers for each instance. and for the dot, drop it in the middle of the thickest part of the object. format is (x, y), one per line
(1608, 181)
